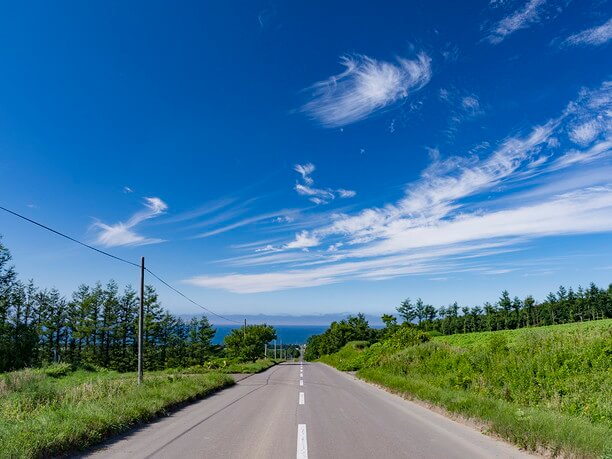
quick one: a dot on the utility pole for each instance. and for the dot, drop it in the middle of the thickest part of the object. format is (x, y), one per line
(266, 350)
(274, 348)
(244, 331)
(141, 322)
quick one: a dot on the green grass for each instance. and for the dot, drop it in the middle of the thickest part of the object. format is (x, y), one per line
(47, 412)
(349, 358)
(545, 387)
(228, 366)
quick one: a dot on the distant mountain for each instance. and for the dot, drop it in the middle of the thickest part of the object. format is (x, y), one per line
(287, 320)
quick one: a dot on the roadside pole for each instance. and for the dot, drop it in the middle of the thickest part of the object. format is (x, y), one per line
(141, 322)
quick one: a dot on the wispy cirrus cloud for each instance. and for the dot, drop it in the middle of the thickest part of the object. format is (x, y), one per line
(464, 106)
(317, 195)
(124, 233)
(453, 218)
(521, 18)
(595, 36)
(365, 87)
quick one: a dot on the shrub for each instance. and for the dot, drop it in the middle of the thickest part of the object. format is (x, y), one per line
(405, 336)
(57, 370)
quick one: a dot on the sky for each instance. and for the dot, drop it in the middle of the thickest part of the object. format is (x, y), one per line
(310, 157)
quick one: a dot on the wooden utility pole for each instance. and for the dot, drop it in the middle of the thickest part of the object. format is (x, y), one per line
(141, 322)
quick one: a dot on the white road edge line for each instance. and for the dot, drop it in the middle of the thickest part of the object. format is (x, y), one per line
(301, 401)
(301, 382)
(302, 442)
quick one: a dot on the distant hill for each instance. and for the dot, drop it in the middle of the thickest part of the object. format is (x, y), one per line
(287, 320)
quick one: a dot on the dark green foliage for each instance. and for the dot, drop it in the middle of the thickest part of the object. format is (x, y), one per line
(249, 343)
(354, 328)
(97, 327)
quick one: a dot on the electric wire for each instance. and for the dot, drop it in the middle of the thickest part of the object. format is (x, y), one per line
(59, 233)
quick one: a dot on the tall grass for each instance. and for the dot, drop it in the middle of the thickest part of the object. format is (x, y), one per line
(44, 413)
(549, 387)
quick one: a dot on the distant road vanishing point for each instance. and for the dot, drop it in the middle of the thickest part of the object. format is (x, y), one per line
(300, 410)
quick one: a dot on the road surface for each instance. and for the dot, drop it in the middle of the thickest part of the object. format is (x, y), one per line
(305, 410)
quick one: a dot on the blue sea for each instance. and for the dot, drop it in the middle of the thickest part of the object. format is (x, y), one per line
(289, 334)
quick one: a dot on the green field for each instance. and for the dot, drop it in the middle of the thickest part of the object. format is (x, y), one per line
(548, 387)
(53, 410)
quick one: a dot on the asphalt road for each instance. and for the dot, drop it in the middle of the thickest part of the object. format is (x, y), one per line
(327, 415)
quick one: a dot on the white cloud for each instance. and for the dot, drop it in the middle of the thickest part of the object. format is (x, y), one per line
(588, 211)
(456, 211)
(346, 193)
(303, 240)
(591, 115)
(470, 104)
(245, 222)
(366, 86)
(124, 234)
(127, 189)
(597, 151)
(305, 170)
(519, 19)
(585, 133)
(594, 36)
(317, 195)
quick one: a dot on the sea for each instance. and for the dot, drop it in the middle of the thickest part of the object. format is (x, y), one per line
(288, 334)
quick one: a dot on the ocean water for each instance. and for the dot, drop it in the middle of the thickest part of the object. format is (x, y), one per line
(289, 334)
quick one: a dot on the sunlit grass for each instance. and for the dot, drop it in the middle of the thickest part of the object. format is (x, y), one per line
(545, 387)
(41, 415)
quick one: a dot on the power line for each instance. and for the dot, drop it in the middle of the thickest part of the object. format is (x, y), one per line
(187, 298)
(29, 220)
(68, 237)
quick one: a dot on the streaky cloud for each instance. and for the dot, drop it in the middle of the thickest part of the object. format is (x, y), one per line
(365, 87)
(124, 234)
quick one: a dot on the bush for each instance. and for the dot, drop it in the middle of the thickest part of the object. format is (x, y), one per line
(57, 370)
(536, 387)
(405, 336)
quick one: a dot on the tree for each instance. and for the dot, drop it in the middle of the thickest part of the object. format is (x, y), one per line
(389, 320)
(430, 315)
(406, 311)
(248, 343)
(201, 334)
(505, 305)
(419, 310)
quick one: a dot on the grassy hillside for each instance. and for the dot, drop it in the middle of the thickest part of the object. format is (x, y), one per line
(48, 411)
(543, 387)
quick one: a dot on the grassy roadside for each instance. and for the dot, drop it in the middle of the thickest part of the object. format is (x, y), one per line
(229, 367)
(528, 428)
(541, 389)
(44, 414)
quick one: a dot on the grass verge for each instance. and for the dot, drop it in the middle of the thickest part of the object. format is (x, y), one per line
(42, 415)
(547, 388)
(229, 367)
(528, 428)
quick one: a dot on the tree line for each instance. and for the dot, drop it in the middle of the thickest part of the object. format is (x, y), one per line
(98, 326)
(564, 306)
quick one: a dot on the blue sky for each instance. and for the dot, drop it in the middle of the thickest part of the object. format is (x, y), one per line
(313, 157)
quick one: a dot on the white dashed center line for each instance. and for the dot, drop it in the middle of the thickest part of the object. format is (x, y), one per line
(301, 382)
(302, 442)
(301, 398)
